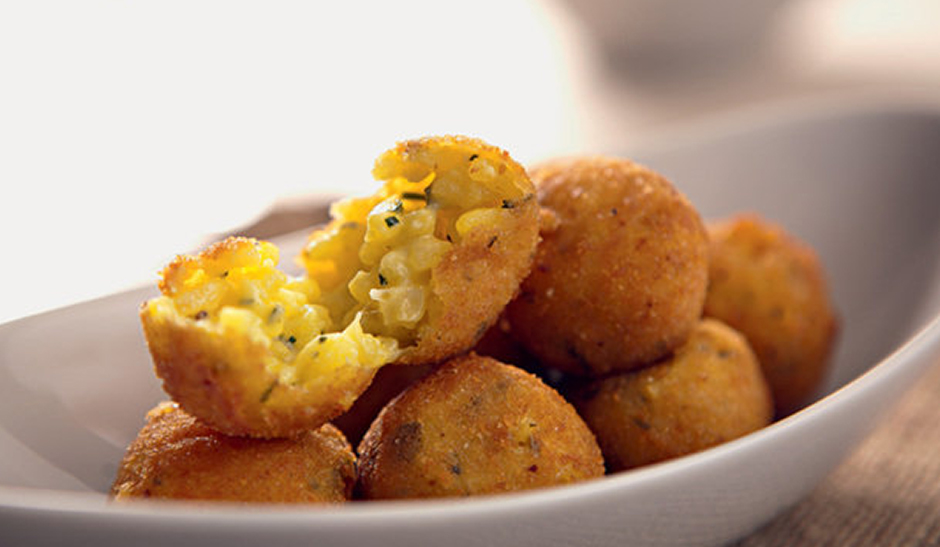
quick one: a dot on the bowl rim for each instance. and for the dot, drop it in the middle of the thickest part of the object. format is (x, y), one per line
(922, 347)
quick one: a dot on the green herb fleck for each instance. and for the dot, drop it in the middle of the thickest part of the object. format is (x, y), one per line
(266, 394)
(414, 196)
(473, 157)
(392, 221)
(382, 281)
(322, 338)
(276, 313)
(508, 204)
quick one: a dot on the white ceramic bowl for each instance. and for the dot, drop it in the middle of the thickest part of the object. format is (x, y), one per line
(858, 182)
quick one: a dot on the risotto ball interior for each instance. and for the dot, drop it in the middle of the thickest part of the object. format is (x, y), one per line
(412, 274)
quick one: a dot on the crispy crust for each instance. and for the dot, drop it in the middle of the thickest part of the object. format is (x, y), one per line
(475, 426)
(709, 392)
(619, 277)
(770, 286)
(176, 456)
(473, 283)
(182, 266)
(224, 380)
(223, 376)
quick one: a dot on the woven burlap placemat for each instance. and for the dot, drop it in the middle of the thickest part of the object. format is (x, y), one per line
(886, 494)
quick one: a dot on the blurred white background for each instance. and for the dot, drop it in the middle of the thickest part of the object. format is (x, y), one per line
(131, 131)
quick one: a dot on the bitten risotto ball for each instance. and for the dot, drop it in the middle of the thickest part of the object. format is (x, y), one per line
(176, 456)
(475, 426)
(771, 286)
(619, 277)
(710, 391)
(411, 275)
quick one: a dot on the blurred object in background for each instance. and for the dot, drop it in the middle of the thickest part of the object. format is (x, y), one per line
(868, 40)
(668, 65)
(656, 38)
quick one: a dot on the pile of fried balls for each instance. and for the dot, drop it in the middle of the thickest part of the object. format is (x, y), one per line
(474, 328)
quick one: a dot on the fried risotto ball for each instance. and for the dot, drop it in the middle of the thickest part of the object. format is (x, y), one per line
(411, 275)
(620, 274)
(475, 426)
(176, 456)
(771, 286)
(711, 390)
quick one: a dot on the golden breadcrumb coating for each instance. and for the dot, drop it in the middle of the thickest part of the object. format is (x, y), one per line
(771, 286)
(176, 456)
(475, 426)
(620, 274)
(709, 392)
